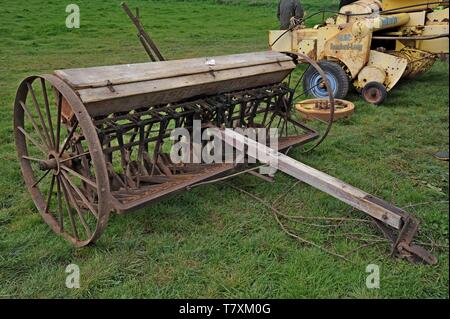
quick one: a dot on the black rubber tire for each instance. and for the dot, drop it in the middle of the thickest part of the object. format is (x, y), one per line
(338, 78)
(374, 93)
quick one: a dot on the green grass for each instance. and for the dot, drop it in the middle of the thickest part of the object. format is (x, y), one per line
(214, 241)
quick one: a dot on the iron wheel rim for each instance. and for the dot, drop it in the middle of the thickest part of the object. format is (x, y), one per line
(61, 179)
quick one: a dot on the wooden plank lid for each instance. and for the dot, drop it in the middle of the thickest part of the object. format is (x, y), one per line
(130, 73)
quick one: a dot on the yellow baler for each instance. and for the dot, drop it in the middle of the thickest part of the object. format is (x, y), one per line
(370, 44)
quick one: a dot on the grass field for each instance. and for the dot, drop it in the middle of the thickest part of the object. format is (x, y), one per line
(215, 241)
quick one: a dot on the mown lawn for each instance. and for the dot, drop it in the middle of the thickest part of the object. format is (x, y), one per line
(215, 241)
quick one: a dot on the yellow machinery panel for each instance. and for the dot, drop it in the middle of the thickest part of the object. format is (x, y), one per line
(438, 17)
(323, 35)
(305, 40)
(348, 47)
(309, 48)
(280, 40)
(437, 45)
(397, 4)
(374, 41)
(392, 65)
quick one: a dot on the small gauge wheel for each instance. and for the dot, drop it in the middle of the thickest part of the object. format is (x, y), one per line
(374, 93)
(314, 84)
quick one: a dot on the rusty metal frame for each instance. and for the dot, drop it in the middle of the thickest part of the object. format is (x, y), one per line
(102, 176)
(94, 171)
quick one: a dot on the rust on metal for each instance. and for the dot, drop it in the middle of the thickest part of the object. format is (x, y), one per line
(94, 141)
(105, 158)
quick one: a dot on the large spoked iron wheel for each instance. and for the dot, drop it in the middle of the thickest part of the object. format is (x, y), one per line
(61, 159)
(307, 66)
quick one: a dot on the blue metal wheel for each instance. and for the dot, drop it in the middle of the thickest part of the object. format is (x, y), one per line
(314, 85)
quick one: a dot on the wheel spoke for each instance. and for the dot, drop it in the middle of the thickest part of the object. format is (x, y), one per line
(69, 137)
(69, 209)
(40, 179)
(80, 194)
(50, 194)
(285, 118)
(33, 122)
(58, 119)
(31, 159)
(307, 91)
(321, 121)
(60, 212)
(32, 140)
(85, 179)
(279, 122)
(272, 118)
(296, 130)
(85, 169)
(301, 78)
(39, 112)
(284, 128)
(47, 110)
(75, 157)
(77, 208)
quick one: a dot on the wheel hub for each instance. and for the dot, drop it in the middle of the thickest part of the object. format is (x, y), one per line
(54, 162)
(48, 164)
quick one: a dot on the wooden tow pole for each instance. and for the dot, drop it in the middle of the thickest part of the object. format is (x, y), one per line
(145, 39)
(396, 224)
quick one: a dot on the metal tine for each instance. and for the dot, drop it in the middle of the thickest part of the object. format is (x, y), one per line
(113, 173)
(124, 162)
(266, 113)
(162, 129)
(252, 115)
(155, 114)
(141, 155)
(242, 111)
(149, 131)
(133, 138)
(287, 110)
